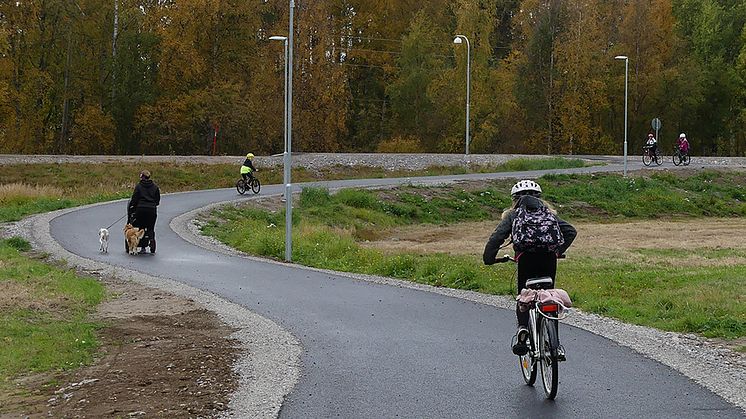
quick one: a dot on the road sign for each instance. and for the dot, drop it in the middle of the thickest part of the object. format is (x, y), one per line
(656, 124)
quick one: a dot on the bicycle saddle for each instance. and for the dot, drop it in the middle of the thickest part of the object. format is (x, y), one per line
(541, 282)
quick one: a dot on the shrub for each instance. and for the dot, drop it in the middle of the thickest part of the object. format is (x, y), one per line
(314, 197)
(19, 244)
(400, 145)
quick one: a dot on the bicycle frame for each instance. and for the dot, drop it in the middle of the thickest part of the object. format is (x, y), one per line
(544, 349)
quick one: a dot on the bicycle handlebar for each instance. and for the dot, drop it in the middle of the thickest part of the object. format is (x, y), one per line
(508, 258)
(505, 258)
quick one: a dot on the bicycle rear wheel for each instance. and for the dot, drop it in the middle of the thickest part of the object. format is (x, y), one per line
(685, 159)
(548, 344)
(658, 157)
(241, 186)
(255, 185)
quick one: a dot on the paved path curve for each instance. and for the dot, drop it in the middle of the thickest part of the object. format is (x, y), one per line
(372, 350)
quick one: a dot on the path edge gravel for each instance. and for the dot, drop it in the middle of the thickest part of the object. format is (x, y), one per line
(268, 363)
(712, 366)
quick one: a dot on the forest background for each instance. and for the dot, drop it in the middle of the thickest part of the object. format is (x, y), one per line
(169, 76)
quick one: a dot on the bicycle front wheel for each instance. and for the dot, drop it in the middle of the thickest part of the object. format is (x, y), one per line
(528, 367)
(241, 186)
(647, 159)
(676, 159)
(255, 185)
(548, 344)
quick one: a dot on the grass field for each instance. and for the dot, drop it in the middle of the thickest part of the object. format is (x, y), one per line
(640, 285)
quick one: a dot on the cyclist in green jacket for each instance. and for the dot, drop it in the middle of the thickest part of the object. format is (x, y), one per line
(247, 168)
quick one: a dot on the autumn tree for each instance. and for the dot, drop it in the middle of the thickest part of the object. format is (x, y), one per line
(582, 63)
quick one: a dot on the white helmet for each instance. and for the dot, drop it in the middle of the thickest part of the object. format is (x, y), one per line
(682, 135)
(524, 186)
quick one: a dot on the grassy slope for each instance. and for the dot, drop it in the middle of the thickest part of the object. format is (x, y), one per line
(632, 289)
(44, 312)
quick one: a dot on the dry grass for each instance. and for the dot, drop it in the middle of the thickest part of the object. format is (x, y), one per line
(593, 238)
(21, 191)
(17, 296)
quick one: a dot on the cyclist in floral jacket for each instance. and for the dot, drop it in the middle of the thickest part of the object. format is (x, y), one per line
(532, 263)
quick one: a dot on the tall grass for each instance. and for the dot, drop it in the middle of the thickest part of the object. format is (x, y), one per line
(525, 164)
(15, 192)
(707, 193)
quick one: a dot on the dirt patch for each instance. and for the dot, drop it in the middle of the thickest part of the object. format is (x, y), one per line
(161, 356)
(470, 238)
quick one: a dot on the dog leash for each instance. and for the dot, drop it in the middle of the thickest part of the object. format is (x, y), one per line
(115, 222)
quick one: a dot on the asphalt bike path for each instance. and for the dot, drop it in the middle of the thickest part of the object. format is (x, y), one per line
(373, 350)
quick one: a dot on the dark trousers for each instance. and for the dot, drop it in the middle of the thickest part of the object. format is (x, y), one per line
(533, 265)
(145, 218)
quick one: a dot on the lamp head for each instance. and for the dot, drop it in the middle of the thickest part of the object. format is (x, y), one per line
(457, 40)
(620, 57)
(278, 38)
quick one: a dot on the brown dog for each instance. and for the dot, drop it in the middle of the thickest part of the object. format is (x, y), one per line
(133, 236)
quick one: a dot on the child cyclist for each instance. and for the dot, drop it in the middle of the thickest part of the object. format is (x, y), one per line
(652, 144)
(247, 168)
(683, 144)
(532, 263)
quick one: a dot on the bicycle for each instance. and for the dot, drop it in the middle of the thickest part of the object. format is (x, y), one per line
(543, 336)
(244, 185)
(648, 158)
(679, 157)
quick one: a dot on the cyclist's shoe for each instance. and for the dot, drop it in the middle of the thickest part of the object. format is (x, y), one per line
(561, 354)
(521, 347)
(142, 251)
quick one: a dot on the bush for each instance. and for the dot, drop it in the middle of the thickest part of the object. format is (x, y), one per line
(358, 198)
(400, 145)
(19, 244)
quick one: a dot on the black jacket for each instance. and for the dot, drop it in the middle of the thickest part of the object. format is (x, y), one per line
(503, 230)
(146, 195)
(249, 164)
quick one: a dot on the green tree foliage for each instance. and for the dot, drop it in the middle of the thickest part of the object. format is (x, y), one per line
(175, 76)
(419, 64)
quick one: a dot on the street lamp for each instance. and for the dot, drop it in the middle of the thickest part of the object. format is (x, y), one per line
(458, 40)
(287, 162)
(626, 73)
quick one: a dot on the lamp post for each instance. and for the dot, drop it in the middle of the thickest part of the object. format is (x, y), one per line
(458, 40)
(626, 74)
(287, 160)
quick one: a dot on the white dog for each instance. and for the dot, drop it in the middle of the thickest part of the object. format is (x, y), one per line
(103, 238)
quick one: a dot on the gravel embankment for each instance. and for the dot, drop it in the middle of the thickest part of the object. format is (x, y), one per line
(320, 160)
